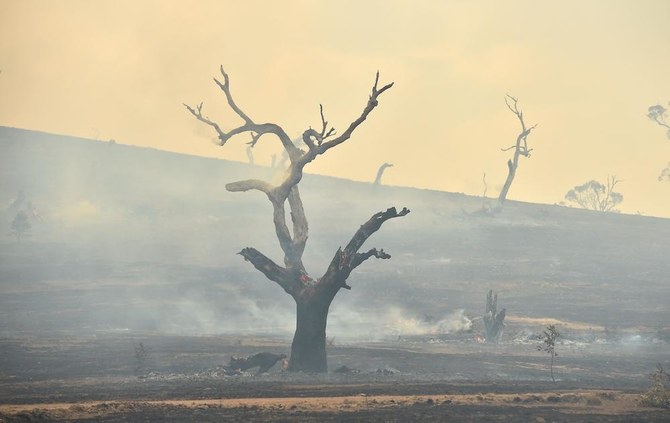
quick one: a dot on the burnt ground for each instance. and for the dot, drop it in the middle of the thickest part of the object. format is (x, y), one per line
(132, 245)
(450, 378)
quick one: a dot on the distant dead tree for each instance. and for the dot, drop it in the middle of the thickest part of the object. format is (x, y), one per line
(142, 355)
(493, 320)
(279, 165)
(313, 296)
(20, 225)
(250, 155)
(659, 114)
(380, 172)
(520, 147)
(594, 195)
(486, 209)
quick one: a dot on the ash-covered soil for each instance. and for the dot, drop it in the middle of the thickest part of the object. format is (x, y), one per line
(101, 377)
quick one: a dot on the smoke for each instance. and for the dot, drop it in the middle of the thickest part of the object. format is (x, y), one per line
(234, 313)
(242, 316)
(82, 209)
(347, 323)
(406, 324)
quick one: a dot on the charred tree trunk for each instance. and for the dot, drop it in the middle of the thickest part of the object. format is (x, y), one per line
(308, 350)
(312, 297)
(493, 320)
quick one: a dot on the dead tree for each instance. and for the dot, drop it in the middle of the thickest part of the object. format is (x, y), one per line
(250, 155)
(313, 296)
(520, 147)
(380, 173)
(493, 320)
(20, 225)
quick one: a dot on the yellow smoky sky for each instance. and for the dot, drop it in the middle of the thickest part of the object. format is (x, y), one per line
(584, 71)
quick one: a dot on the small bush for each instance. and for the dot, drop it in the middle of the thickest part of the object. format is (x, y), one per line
(141, 357)
(659, 394)
(548, 345)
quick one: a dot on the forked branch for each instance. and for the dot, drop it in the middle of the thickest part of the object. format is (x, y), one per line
(372, 103)
(347, 259)
(197, 112)
(285, 278)
(521, 144)
(318, 142)
(256, 130)
(225, 87)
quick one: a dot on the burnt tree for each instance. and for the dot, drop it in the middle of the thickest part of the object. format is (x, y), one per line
(313, 296)
(380, 173)
(493, 320)
(520, 147)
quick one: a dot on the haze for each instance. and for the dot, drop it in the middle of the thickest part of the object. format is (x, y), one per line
(586, 72)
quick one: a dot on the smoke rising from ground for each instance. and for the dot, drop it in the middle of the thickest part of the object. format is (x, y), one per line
(142, 240)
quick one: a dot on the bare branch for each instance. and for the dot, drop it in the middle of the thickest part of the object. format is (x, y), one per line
(325, 132)
(311, 134)
(307, 138)
(249, 125)
(300, 226)
(347, 259)
(361, 257)
(225, 87)
(271, 270)
(372, 226)
(254, 139)
(372, 103)
(316, 141)
(197, 112)
(249, 184)
(296, 170)
(292, 259)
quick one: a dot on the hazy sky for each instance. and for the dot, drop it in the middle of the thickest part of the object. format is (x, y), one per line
(585, 71)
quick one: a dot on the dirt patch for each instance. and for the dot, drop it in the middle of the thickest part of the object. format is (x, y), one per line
(588, 405)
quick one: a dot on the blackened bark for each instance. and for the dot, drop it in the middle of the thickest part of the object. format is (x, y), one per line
(493, 320)
(308, 350)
